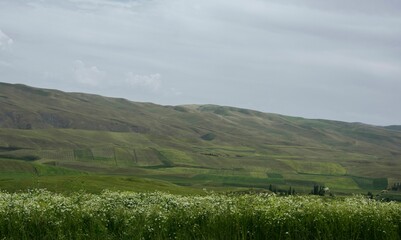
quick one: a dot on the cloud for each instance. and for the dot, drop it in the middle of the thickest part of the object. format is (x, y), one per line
(150, 82)
(88, 75)
(5, 41)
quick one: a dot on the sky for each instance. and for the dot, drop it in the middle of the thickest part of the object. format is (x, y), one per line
(335, 59)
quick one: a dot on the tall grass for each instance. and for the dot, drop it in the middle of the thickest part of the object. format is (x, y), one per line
(40, 214)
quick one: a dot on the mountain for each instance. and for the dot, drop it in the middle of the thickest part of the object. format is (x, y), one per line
(394, 127)
(193, 146)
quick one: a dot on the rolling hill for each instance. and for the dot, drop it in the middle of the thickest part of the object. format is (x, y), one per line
(49, 137)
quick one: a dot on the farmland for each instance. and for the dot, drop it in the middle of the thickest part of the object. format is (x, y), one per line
(74, 141)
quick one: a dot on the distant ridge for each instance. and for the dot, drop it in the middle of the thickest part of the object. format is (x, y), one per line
(394, 127)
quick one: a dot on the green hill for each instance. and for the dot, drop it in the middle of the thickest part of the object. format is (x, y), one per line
(394, 127)
(185, 147)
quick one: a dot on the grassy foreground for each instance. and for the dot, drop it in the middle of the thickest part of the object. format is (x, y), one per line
(41, 214)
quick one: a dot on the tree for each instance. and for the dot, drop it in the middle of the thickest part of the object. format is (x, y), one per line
(319, 190)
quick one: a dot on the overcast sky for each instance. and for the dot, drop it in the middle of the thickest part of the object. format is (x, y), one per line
(336, 59)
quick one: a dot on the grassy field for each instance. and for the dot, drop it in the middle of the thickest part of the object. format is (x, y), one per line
(49, 138)
(40, 214)
(173, 171)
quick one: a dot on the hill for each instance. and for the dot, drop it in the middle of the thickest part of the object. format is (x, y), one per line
(191, 146)
(394, 127)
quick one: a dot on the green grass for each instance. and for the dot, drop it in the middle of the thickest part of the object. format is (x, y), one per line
(89, 183)
(15, 166)
(274, 175)
(46, 170)
(335, 183)
(41, 214)
(20, 175)
(313, 167)
(177, 157)
(371, 183)
(65, 177)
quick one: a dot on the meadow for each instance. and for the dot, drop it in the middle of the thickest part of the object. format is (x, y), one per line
(41, 214)
(66, 142)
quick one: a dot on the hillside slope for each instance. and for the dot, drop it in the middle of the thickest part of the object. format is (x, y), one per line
(196, 145)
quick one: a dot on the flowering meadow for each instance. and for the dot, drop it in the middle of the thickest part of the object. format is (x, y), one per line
(40, 214)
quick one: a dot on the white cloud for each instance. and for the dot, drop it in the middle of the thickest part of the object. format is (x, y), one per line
(5, 41)
(88, 75)
(150, 82)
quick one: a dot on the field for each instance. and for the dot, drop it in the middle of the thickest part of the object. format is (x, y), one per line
(40, 214)
(135, 162)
